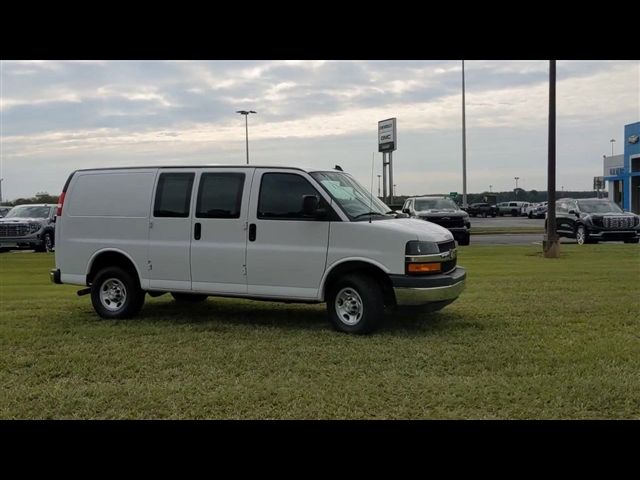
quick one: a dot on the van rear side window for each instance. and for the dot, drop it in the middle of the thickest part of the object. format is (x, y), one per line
(173, 195)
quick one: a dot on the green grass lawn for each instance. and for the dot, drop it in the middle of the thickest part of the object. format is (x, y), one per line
(529, 338)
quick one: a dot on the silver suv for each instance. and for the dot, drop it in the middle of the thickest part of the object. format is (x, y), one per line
(30, 226)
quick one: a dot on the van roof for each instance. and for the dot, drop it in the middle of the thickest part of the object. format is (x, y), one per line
(209, 165)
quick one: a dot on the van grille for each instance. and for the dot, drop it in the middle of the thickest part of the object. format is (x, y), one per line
(446, 246)
(446, 222)
(13, 230)
(618, 222)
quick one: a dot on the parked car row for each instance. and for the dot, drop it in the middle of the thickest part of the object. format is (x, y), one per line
(29, 226)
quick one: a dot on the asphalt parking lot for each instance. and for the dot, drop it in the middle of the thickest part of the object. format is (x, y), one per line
(507, 221)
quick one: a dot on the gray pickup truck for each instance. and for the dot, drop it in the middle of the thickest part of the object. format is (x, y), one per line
(29, 226)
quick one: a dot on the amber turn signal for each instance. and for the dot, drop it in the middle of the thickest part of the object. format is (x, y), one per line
(423, 267)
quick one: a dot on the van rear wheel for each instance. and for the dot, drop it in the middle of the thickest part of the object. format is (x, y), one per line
(188, 297)
(116, 294)
(355, 304)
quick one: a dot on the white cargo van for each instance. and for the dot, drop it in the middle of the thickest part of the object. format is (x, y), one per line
(268, 233)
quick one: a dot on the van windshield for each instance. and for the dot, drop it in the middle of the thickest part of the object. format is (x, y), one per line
(352, 197)
(28, 211)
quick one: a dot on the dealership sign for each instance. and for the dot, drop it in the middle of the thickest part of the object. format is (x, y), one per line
(387, 136)
(633, 139)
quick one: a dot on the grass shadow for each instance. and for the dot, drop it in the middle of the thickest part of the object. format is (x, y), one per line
(232, 312)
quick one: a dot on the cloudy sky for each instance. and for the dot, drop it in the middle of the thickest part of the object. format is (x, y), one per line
(60, 116)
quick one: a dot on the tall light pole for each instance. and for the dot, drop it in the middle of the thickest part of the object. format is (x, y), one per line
(613, 140)
(246, 127)
(516, 190)
(379, 185)
(464, 146)
(490, 186)
(394, 193)
(551, 246)
(1, 189)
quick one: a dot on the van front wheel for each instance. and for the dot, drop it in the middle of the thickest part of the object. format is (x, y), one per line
(116, 294)
(355, 304)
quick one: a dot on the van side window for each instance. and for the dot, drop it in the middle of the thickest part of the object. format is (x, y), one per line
(220, 195)
(281, 196)
(173, 195)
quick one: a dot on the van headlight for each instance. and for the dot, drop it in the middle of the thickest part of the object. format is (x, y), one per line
(415, 247)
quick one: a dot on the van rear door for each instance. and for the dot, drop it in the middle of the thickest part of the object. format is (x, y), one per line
(170, 230)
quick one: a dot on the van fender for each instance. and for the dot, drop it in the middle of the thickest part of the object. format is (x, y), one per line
(327, 272)
(144, 283)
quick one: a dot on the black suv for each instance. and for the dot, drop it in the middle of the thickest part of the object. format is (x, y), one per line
(591, 220)
(31, 226)
(444, 212)
(482, 209)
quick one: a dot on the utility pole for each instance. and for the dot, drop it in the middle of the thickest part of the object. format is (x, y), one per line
(613, 140)
(246, 128)
(379, 185)
(490, 186)
(1, 179)
(464, 146)
(551, 245)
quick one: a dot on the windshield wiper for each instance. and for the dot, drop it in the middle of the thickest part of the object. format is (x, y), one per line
(369, 213)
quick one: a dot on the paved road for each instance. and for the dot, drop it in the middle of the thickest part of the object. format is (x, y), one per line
(506, 222)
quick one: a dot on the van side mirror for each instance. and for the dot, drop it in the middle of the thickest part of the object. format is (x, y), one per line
(406, 210)
(572, 212)
(310, 207)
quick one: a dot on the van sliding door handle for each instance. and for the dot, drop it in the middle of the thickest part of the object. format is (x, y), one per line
(252, 232)
(197, 231)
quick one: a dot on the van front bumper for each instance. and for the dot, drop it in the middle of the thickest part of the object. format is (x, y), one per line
(414, 290)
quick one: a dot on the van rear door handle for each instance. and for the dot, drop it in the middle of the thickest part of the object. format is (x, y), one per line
(197, 231)
(252, 232)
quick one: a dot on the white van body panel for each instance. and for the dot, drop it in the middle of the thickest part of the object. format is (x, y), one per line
(218, 258)
(381, 243)
(169, 243)
(288, 257)
(104, 210)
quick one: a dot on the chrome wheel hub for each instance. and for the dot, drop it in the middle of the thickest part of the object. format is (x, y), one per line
(348, 306)
(580, 236)
(113, 294)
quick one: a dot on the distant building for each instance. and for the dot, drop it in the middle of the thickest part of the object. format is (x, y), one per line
(622, 172)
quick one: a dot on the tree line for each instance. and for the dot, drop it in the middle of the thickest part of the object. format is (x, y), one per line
(40, 197)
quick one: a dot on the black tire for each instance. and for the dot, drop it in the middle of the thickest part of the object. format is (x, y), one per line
(632, 240)
(47, 242)
(465, 240)
(371, 311)
(514, 213)
(581, 235)
(133, 299)
(484, 214)
(530, 216)
(188, 297)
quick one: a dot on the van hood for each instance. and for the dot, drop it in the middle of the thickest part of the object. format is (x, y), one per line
(415, 229)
